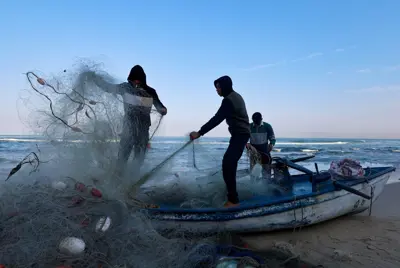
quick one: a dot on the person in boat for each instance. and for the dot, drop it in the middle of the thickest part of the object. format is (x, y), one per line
(138, 99)
(262, 141)
(233, 110)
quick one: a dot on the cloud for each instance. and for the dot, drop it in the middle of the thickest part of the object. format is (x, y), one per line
(329, 73)
(341, 49)
(377, 89)
(263, 66)
(308, 57)
(270, 65)
(364, 71)
(393, 68)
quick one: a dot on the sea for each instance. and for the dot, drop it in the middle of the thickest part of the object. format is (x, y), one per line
(207, 152)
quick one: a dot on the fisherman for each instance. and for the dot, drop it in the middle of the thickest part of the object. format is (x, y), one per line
(262, 139)
(233, 110)
(138, 99)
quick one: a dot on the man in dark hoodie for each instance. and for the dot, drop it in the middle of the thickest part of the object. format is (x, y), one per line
(233, 110)
(138, 99)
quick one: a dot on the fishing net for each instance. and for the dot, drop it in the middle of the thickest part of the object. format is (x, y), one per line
(37, 219)
(82, 114)
(69, 189)
(63, 204)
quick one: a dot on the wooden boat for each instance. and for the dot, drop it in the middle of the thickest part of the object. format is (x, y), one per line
(327, 199)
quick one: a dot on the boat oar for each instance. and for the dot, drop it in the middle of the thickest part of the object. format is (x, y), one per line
(146, 176)
(349, 189)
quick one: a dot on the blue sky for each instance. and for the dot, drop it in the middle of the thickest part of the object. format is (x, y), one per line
(312, 68)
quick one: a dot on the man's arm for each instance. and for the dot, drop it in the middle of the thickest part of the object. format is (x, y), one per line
(106, 86)
(224, 110)
(271, 134)
(156, 101)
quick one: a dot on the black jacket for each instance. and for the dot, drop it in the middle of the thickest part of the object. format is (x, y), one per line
(232, 109)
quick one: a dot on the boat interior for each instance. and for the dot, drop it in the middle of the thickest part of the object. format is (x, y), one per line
(308, 184)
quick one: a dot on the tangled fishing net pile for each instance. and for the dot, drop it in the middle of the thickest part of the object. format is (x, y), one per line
(61, 206)
(47, 226)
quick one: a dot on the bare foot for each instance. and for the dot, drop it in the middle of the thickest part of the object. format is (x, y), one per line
(229, 204)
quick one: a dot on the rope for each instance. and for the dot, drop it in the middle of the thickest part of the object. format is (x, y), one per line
(82, 105)
(194, 158)
(370, 201)
(147, 176)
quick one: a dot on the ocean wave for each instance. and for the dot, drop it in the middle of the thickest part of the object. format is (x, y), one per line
(205, 141)
(309, 150)
(21, 140)
(313, 143)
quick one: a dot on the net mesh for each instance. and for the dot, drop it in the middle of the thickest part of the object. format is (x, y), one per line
(73, 187)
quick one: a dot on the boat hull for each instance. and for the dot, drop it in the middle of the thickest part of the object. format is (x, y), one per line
(296, 213)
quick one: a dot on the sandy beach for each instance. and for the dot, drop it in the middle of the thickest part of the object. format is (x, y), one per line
(351, 241)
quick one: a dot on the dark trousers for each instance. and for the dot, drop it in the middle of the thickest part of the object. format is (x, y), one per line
(230, 161)
(266, 161)
(134, 136)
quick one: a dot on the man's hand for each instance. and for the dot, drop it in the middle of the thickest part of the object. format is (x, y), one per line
(270, 147)
(194, 135)
(163, 111)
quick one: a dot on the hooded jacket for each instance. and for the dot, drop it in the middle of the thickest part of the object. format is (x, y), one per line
(137, 96)
(232, 109)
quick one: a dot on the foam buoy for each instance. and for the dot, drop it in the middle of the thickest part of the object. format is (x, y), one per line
(58, 185)
(72, 246)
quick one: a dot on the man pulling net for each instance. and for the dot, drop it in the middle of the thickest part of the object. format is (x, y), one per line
(262, 141)
(138, 99)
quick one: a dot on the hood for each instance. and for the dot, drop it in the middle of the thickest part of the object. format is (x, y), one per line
(225, 83)
(257, 118)
(137, 73)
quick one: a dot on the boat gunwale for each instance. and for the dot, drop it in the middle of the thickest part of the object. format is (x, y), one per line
(268, 203)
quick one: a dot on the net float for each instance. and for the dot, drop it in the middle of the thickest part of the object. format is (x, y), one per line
(58, 185)
(80, 187)
(76, 200)
(92, 102)
(96, 193)
(41, 81)
(103, 224)
(72, 246)
(76, 129)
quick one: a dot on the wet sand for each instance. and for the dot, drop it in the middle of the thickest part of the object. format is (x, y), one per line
(350, 241)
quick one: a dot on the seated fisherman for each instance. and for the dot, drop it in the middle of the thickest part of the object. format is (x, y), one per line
(262, 139)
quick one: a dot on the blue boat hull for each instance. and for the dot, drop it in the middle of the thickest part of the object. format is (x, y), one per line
(268, 213)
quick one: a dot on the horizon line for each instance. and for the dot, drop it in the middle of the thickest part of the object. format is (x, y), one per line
(227, 137)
